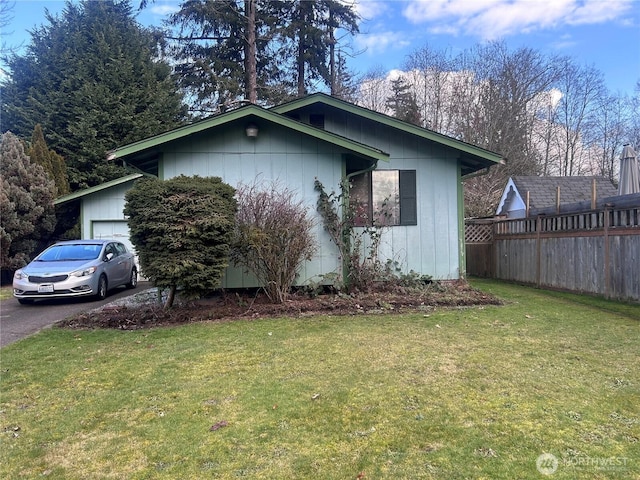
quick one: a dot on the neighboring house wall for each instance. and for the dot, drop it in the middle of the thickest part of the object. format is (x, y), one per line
(512, 204)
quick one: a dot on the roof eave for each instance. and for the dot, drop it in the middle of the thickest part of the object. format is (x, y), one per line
(249, 112)
(88, 191)
(492, 158)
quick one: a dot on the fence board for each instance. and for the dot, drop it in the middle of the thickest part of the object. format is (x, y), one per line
(593, 252)
(480, 259)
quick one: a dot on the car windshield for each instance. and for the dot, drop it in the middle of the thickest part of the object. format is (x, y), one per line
(62, 253)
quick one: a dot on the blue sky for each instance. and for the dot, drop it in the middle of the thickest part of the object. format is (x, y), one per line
(602, 33)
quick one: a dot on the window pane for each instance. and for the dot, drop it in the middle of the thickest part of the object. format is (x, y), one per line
(386, 197)
(359, 196)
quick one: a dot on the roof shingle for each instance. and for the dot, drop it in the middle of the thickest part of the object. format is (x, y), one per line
(542, 190)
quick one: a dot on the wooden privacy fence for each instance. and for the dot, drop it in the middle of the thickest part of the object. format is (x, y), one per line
(478, 239)
(594, 252)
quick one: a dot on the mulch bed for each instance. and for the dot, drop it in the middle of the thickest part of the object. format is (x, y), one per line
(233, 305)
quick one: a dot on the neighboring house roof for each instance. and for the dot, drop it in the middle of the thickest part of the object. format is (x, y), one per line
(473, 158)
(248, 113)
(97, 188)
(543, 192)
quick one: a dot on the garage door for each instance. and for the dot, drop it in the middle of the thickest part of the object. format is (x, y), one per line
(116, 230)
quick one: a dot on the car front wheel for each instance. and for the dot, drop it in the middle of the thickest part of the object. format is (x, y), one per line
(101, 294)
(133, 279)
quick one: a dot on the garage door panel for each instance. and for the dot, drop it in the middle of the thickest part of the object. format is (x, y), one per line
(116, 230)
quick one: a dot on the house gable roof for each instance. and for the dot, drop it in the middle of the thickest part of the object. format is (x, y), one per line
(103, 186)
(543, 191)
(249, 113)
(473, 158)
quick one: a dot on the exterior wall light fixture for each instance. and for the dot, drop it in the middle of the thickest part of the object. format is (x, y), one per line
(252, 130)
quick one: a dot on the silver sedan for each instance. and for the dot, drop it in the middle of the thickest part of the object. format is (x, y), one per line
(76, 268)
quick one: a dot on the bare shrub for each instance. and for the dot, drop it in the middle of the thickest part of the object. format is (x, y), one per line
(273, 236)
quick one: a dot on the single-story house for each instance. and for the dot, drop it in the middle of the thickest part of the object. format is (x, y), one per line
(324, 138)
(530, 195)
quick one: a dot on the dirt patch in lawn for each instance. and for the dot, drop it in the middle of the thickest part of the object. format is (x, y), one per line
(145, 312)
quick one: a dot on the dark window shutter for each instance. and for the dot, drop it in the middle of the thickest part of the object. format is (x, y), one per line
(408, 198)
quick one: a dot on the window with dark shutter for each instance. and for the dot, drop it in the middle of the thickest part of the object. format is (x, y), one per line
(408, 198)
(384, 197)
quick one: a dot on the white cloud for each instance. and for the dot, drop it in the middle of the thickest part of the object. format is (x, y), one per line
(164, 9)
(564, 42)
(370, 9)
(375, 43)
(490, 19)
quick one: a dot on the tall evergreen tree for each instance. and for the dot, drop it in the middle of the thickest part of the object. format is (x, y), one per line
(402, 102)
(26, 204)
(53, 163)
(232, 51)
(310, 33)
(343, 84)
(222, 51)
(90, 78)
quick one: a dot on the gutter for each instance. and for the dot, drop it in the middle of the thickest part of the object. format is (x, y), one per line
(481, 172)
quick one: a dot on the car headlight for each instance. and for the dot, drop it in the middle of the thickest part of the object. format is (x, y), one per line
(84, 273)
(20, 275)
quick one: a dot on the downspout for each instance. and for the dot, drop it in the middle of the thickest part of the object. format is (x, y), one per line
(346, 232)
(462, 254)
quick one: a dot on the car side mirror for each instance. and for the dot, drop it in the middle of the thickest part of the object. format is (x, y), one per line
(108, 257)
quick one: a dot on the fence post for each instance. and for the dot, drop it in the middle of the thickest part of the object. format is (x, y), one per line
(607, 260)
(538, 250)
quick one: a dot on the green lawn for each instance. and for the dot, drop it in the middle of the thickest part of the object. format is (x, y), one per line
(463, 393)
(6, 292)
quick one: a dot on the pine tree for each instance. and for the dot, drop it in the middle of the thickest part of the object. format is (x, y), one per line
(344, 84)
(234, 51)
(221, 51)
(402, 102)
(310, 32)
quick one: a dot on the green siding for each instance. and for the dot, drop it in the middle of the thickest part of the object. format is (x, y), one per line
(288, 158)
(293, 155)
(431, 246)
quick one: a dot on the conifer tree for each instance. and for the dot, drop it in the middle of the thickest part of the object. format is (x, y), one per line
(26, 204)
(233, 51)
(91, 78)
(402, 102)
(52, 163)
(182, 229)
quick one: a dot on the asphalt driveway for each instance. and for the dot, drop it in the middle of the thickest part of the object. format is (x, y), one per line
(19, 321)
